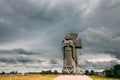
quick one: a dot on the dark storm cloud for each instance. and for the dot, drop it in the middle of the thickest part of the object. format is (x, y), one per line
(16, 20)
(26, 20)
(98, 65)
(6, 51)
(100, 40)
(115, 52)
(53, 61)
(24, 59)
(22, 51)
(20, 59)
(14, 60)
(7, 60)
(105, 15)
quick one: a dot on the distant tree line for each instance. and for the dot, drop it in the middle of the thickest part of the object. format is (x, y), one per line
(13, 72)
(45, 72)
(112, 72)
(50, 72)
(42, 72)
(91, 72)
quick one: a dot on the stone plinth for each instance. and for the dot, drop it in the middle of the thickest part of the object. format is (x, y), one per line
(73, 77)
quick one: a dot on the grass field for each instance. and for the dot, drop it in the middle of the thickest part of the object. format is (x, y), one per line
(41, 77)
(28, 77)
(100, 78)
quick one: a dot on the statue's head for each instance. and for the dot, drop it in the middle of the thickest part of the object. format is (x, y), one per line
(67, 37)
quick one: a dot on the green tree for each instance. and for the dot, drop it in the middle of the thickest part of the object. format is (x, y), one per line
(113, 72)
(118, 73)
(43, 72)
(108, 73)
(55, 72)
(92, 72)
(87, 72)
(49, 72)
(116, 70)
(3, 72)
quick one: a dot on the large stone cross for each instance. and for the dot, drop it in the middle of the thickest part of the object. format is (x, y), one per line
(77, 43)
(70, 60)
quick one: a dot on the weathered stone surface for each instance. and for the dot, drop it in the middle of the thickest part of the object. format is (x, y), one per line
(70, 61)
(73, 77)
(78, 44)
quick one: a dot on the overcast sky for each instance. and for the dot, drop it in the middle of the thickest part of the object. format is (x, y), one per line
(31, 33)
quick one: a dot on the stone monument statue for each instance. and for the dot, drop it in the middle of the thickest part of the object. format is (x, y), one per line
(70, 61)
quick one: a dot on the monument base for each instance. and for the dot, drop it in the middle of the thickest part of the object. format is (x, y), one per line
(73, 77)
(75, 71)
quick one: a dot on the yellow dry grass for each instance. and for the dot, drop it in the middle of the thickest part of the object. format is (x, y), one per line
(43, 77)
(28, 77)
(102, 78)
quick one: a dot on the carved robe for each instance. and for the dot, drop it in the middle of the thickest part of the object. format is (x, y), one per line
(69, 55)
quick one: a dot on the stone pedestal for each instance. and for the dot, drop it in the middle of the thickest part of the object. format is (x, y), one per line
(73, 77)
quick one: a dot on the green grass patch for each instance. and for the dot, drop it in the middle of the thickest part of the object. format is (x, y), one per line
(102, 78)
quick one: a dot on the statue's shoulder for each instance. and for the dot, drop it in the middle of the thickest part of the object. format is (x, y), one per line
(64, 41)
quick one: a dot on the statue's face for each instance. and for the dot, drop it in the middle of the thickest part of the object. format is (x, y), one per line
(67, 37)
